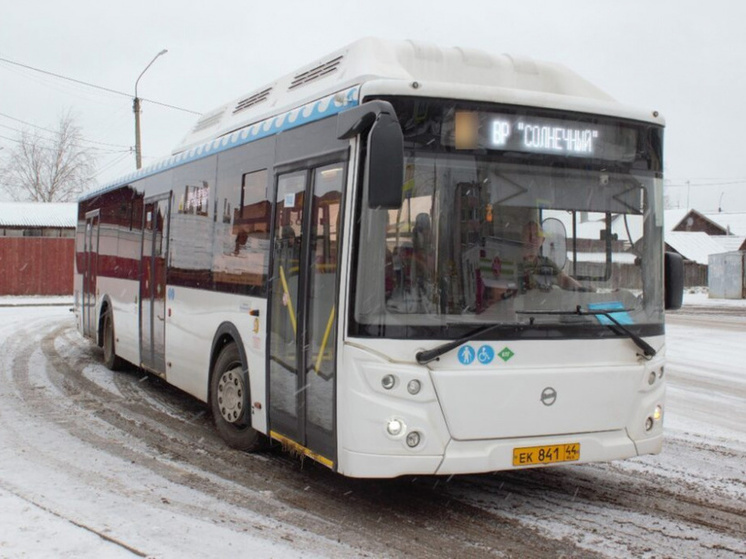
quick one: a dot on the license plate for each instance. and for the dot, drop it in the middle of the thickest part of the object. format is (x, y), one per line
(533, 455)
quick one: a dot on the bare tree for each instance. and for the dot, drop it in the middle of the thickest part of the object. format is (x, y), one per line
(44, 168)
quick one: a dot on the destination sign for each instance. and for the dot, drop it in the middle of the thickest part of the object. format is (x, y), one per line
(526, 133)
(544, 137)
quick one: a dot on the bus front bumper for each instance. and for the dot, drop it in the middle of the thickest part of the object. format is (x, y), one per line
(471, 457)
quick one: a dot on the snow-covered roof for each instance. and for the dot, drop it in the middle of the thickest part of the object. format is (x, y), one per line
(693, 245)
(729, 243)
(600, 257)
(38, 214)
(733, 222)
(673, 217)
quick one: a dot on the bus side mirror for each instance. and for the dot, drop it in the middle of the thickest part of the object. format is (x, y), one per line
(674, 281)
(384, 164)
(384, 167)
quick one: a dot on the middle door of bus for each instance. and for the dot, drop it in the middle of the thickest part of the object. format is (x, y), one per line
(90, 273)
(154, 256)
(303, 310)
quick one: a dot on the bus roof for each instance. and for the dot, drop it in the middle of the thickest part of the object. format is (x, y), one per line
(402, 63)
(373, 66)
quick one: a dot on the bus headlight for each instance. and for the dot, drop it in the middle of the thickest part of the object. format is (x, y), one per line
(654, 418)
(413, 439)
(388, 382)
(395, 427)
(414, 386)
(658, 413)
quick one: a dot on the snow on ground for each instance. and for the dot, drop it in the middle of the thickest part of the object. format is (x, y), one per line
(705, 409)
(36, 301)
(698, 297)
(51, 508)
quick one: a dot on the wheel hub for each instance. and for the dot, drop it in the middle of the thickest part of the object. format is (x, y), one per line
(231, 395)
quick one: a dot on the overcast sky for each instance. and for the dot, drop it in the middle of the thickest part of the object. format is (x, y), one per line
(682, 58)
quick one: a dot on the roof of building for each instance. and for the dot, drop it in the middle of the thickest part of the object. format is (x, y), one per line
(735, 223)
(674, 216)
(626, 228)
(693, 245)
(38, 214)
(730, 243)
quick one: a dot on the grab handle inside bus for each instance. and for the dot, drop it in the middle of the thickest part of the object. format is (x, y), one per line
(384, 164)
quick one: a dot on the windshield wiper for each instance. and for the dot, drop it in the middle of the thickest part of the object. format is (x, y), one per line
(424, 357)
(646, 348)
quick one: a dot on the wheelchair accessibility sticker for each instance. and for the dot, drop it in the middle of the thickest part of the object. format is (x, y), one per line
(467, 355)
(485, 354)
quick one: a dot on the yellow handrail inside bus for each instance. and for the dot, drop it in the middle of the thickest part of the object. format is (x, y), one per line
(291, 312)
(325, 339)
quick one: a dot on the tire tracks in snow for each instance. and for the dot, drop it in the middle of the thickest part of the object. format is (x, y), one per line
(153, 426)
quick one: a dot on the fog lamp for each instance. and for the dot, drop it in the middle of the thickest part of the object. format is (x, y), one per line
(413, 387)
(651, 377)
(388, 382)
(658, 413)
(395, 427)
(649, 423)
(413, 439)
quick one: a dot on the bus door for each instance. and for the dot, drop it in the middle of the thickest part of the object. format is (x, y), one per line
(90, 272)
(303, 310)
(154, 255)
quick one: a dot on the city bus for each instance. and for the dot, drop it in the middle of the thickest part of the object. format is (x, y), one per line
(400, 259)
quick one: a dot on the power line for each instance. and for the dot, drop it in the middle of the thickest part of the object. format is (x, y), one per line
(54, 149)
(111, 164)
(108, 90)
(55, 132)
(697, 185)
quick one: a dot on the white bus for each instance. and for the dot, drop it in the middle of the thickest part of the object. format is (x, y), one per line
(400, 259)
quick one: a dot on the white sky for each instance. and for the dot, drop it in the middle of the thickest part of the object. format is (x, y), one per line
(683, 58)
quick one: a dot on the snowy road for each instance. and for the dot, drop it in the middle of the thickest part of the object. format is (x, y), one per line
(98, 464)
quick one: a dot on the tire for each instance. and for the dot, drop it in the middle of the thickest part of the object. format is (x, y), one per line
(111, 361)
(230, 401)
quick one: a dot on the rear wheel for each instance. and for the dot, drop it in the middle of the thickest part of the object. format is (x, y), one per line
(230, 401)
(111, 360)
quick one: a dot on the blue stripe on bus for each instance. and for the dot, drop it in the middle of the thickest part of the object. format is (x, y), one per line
(294, 118)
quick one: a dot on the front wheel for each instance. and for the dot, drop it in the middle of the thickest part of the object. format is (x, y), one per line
(230, 401)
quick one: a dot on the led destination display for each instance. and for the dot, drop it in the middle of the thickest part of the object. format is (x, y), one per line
(526, 133)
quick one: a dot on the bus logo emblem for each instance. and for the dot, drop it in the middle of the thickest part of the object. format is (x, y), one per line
(548, 396)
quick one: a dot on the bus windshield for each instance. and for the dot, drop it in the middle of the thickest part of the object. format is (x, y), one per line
(506, 211)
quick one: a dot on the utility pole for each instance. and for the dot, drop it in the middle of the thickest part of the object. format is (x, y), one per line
(136, 109)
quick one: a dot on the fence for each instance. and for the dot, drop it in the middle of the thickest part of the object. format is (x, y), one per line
(36, 266)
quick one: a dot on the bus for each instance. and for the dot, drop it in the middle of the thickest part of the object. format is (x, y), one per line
(400, 259)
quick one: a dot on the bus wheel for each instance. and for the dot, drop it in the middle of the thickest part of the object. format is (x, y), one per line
(229, 401)
(111, 360)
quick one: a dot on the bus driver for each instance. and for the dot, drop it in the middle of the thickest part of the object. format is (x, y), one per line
(534, 269)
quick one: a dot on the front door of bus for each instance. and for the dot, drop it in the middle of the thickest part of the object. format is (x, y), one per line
(90, 273)
(153, 284)
(302, 339)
